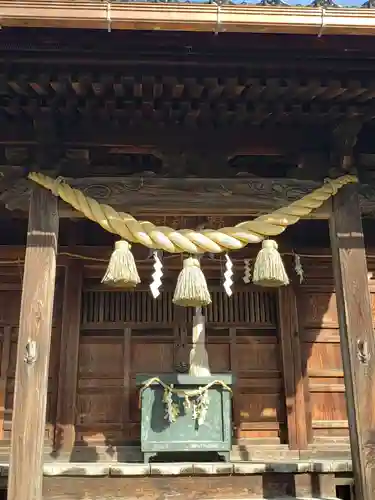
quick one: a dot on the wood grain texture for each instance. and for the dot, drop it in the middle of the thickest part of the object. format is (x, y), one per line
(244, 18)
(5, 356)
(241, 196)
(168, 195)
(155, 487)
(235, 387)
(241, 337)
(356, 331)
(28, 425)
(67, 392)
(127, 346)
(294, 385)
(192, 487)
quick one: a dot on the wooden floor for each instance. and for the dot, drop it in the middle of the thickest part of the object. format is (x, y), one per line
(241, 453)
(110, 478)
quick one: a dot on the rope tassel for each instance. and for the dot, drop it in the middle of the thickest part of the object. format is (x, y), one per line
(269, 270)
(122, 270)
(191, 289)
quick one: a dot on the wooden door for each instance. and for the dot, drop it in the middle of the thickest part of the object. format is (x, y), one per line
(128, 333)
(321, 354)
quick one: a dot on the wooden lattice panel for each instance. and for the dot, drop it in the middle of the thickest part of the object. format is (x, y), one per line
(252, 306)
(246, 307)
(126, 307)
(127, 333)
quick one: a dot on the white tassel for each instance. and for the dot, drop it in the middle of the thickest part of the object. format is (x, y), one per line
(191, 288)
(228, 282)
(269, 270)
(247, 271)
(122, 270)
(156, 276)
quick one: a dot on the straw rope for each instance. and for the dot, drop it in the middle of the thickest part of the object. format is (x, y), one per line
(191, 393)
(186, 240)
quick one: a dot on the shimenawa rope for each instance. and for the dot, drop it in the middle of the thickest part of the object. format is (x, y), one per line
(186, 240)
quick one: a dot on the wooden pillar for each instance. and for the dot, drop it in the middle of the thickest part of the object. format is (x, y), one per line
(356, 334)
(34, 340)
(126, 417)
(294, 377)
(69, 350)
(5, 358)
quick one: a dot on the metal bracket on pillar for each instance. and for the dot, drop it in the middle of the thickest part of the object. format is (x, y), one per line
(30, 352)
(363, 352)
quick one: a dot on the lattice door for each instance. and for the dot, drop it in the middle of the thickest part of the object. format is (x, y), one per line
(125, 333)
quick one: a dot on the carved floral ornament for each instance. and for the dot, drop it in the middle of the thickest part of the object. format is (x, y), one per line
(191, 289)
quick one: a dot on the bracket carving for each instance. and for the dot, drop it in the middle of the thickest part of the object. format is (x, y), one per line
(344, 139)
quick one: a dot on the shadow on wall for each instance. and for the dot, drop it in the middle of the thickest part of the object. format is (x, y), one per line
(317, 403)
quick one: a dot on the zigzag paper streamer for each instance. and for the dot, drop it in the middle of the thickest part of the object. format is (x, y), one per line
(228, 282)
(157, 275)
(247, 271)
(298, 267)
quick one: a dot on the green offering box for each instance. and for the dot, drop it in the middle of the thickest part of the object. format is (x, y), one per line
(185, 434)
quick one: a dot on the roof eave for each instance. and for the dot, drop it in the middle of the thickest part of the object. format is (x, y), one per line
(186, 17)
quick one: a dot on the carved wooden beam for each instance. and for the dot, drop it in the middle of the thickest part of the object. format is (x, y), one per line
(151, 139)
(9, 176)
(143, 196)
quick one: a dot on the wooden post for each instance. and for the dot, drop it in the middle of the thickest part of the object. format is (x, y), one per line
(5, 355)
(34, 339)
(126, 418)
(356, 334)
(294, 378)
(69, 347)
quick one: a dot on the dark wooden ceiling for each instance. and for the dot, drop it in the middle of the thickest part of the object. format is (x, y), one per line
(76, 102)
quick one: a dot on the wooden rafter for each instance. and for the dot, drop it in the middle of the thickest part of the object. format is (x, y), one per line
(132, 99)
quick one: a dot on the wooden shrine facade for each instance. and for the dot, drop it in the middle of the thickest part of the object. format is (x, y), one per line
(282, 346)
(121, 334)
(189, 131)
